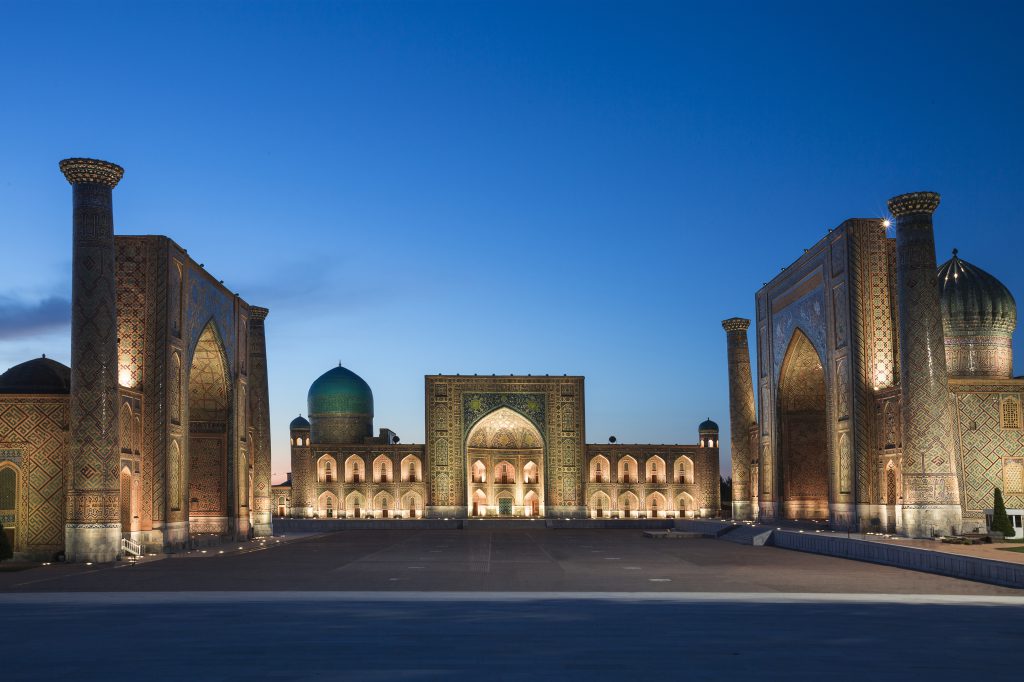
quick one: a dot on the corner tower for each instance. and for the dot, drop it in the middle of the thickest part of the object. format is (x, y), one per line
(931, 489)
(741, 413)
(302, 468)
(93, 524)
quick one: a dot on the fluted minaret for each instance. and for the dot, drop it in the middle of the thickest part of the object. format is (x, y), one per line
(259, 407)
(741, 413)
(931, 496)
(93, 529)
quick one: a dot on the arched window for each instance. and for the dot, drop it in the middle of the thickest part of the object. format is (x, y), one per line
(382, 469)
(354, 469)
(328, 472)
(684, 470)
(8, 498)
(1010, 413)
(599, 476)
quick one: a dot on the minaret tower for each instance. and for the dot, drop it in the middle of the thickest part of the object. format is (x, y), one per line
(303, 476)
(931, 495)
(741, 413)
(93, 528)
(259, 408)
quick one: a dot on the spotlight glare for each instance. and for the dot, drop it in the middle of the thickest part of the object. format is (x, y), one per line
(886, 223)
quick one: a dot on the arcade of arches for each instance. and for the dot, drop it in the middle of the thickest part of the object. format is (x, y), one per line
(505, 458)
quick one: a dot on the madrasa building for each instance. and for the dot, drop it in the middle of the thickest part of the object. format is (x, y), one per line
(886, 396)
(496, 446)
(159, 431)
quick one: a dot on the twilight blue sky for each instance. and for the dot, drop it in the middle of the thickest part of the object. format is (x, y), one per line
(583, 188)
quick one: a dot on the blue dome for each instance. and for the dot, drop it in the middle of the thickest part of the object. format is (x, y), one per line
(299, 423)
(707, 425)
(340, 392)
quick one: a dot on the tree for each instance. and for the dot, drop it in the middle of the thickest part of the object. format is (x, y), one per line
(1000, 520)
(6, 552)
(725, 488)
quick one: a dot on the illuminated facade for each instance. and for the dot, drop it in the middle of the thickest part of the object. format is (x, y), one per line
(510, 446)
(160, 429)
(886, 395)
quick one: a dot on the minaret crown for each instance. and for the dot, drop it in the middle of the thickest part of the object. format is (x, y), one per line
(80, 171)
(258, 314)
(914, 203)
(736, 324)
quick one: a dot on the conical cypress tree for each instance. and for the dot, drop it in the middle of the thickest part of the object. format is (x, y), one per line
(1000, 520)
(6, 552)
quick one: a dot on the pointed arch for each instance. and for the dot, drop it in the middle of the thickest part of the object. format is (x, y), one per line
(210, 410)
(600, 504)
(384, 504)
(504, 472)
(655, 469)
(684, 470)
(478, 472)
(803, 452)
(327, 505)
(411, 469)
(655, 504)
(685, 504)
(125, 423)
(531, 503)
(629, 504)
(10, 498)
(327, 469)
(600, 469)
(531, 473)
(479, 502)
(355, 504)
(413, 504)
(628, 469)
(383, 470)
(355, 469)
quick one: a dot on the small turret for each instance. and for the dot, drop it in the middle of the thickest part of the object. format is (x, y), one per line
(708, 433)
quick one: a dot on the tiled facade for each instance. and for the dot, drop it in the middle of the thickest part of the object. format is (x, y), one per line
(508, 446)
(836, 434)
(165, 438)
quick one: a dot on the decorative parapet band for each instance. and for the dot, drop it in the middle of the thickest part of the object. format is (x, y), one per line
(258, 314)
(736, 324)
(914, 203)
(80, 171)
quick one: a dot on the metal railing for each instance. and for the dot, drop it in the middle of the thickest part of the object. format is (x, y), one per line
(131, 548)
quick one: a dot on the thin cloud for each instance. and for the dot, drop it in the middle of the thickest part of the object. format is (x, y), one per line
(20, 318)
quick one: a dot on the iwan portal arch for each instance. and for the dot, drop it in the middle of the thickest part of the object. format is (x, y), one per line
(506, 451)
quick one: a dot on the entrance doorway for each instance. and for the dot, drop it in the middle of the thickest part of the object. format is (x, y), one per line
(803, 434)
(505, 506)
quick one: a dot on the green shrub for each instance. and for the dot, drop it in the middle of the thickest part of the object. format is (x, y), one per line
(1000, 520)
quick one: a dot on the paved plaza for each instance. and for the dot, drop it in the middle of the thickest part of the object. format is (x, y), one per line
(516, 560)
(547, 604)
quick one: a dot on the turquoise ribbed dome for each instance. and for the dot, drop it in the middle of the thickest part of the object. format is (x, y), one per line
(974, 303)
(340, 392)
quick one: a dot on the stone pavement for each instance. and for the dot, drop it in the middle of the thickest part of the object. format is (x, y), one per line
(576, 560)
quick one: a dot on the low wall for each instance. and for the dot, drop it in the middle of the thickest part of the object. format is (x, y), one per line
(941, 563)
